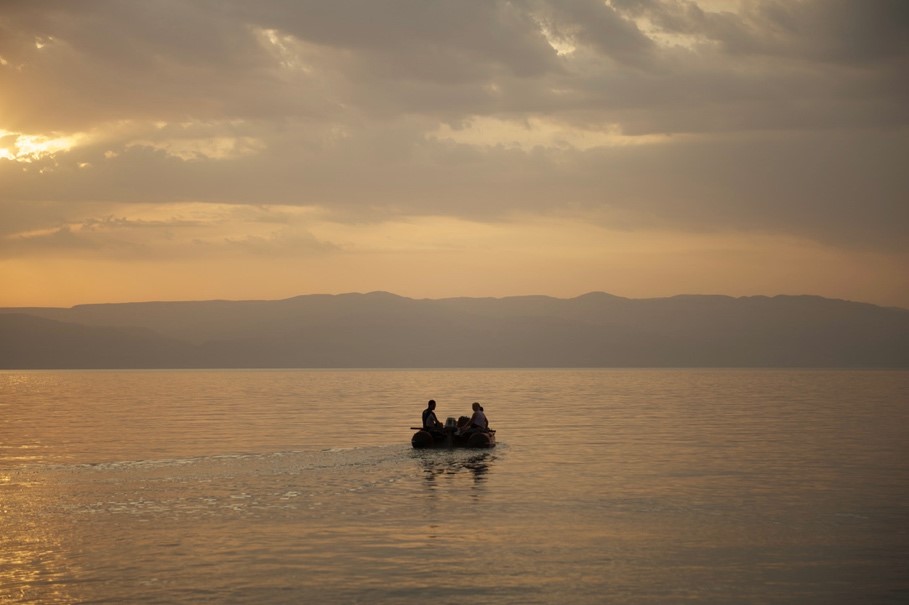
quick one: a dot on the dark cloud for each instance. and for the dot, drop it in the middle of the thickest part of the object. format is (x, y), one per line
(840, 31)
(415, 39)
(108, 60)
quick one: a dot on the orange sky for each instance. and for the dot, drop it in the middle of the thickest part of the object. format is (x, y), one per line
(266, 150)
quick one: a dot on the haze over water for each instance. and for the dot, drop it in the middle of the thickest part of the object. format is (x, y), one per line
(619, 486)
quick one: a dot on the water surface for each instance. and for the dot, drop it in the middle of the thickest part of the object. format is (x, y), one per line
(618, 486)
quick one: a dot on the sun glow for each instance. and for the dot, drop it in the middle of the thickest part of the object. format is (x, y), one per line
(20, 147)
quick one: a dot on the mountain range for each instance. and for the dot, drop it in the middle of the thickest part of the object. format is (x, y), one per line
(382, 330)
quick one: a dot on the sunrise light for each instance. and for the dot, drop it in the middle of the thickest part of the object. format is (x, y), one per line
(20, 147)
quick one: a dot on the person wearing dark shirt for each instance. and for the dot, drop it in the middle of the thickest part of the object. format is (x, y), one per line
(429, 416)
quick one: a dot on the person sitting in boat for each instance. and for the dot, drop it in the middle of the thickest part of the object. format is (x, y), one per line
(478, 421)
(430, 422)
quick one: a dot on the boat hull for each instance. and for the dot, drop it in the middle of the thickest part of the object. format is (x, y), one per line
(423, 439)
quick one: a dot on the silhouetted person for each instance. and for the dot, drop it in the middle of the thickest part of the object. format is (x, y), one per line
(430, 422)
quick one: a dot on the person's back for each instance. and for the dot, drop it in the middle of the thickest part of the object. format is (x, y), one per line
(479, 420)
(429, 416)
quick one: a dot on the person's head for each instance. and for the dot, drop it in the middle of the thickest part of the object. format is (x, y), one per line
(432, 404)
(476, 406)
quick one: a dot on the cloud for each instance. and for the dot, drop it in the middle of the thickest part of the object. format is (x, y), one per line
(163, 232)
(777, 117)
(450, 60)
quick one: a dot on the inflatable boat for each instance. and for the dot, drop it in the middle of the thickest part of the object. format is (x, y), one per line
(450, 436)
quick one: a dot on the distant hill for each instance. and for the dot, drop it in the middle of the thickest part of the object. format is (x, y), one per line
(383, 330)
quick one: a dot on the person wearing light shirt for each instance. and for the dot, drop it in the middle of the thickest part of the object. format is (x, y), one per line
(478, 420)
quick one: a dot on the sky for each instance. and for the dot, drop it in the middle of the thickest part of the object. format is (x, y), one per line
(227, 149)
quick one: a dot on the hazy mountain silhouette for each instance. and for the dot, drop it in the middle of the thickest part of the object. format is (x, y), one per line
(385, 331)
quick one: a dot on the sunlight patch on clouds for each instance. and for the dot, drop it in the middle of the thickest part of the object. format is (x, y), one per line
(26, 148)
(194, 140)
(533, 133)
(191, 140)
(284, 48)
(719, 5)
(560, 44)
(34, 234)
(677, 39)
(668, 39)
(211, 148)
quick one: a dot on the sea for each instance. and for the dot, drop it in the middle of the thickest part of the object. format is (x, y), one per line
(661, 486)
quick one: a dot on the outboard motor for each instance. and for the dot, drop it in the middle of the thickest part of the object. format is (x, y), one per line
(451, 427)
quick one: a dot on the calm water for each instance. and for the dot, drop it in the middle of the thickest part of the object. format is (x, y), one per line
(608, 486)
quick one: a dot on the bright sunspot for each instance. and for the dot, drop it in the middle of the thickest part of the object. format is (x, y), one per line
(27, 148)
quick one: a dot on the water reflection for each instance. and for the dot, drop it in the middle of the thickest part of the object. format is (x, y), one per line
(446, 465)
(34, 565)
